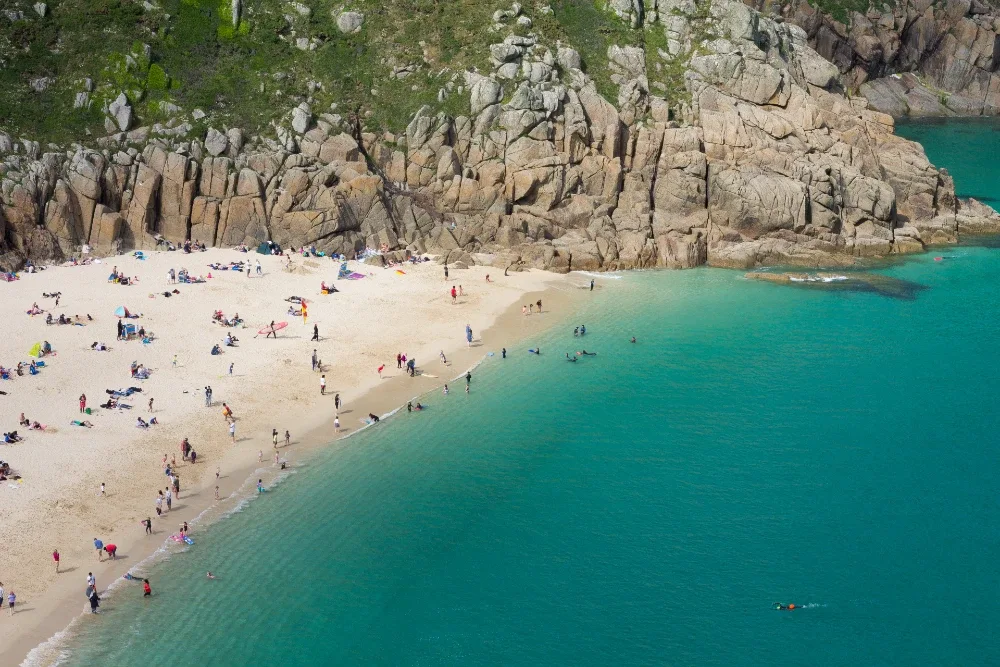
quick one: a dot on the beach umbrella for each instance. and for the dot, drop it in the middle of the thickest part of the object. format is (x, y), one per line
(121, 311)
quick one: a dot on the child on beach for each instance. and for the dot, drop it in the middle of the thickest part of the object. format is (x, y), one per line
(55, 557)
(288, 438)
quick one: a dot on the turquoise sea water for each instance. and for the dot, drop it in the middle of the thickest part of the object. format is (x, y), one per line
(967, 147)
(760, 443)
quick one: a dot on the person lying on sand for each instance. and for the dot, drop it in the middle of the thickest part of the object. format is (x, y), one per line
(84, 423)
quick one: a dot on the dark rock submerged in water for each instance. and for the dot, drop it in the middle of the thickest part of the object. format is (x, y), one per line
(873, 283)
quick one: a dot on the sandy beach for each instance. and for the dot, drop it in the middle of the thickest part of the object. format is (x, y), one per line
(57, 502)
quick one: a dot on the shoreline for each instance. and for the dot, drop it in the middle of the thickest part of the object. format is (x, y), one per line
(54, 612)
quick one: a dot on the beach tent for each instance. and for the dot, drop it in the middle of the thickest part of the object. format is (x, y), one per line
(121, 311)
(264, 249)
(36, 350)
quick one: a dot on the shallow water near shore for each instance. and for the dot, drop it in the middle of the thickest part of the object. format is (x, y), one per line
(643, 506)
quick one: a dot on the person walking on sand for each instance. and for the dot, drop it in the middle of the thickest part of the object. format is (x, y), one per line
(315, 332)
(531, 308)
(175, 361)
(288, 438)
(150, 405)
(336, 402)
(322, 385)
(468, 335)
(271, 331)
(454, 295)
(315, 359)
(336, 423)
(399, 360)
(446, 273)
(148, 523)
(380, 369)
(232, 431)
(274, 437)
(55, 559)
(83, 402)
(100, 549)
(524, 310)
(260, 271)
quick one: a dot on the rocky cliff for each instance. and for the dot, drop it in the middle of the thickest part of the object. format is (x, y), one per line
(910, 57)
(731, 143)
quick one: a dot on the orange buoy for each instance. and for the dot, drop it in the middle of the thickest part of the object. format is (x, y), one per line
(791, 606)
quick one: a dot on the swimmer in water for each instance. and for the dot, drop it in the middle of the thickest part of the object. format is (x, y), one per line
(210, 575)
(576, 331)
(418, 406)
(260, 486)
(584, 353)
(633, 339)
(569, 358)
(535, 351)
(784, 607)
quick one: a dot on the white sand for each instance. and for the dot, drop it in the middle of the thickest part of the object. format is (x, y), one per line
(57, 502)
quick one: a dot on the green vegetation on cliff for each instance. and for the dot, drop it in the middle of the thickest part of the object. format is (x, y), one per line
(60, 70)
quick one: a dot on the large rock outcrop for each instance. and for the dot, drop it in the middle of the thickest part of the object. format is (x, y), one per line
(911, 57)
(757, 157)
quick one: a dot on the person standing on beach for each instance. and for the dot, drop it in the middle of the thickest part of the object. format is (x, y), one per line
(315, 332)
(288, 438)
(454, 295)
(159, 503)
(100, 549)
(503, 353)
(55, 558)
(468, 335)
(103, 494)
(399, 360)
(216, 491)
(83, 402)
(230, 369)
(232, 431)
(336, 423)
(274, 437)
(336, 402)
(148, 523)
(591, 284)
(170, 499)
(446, 273)
(539, 304)
(315, 358)
(208, 396)
(11, 599)
(260, 271)
(150, 405)
(322, 385)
